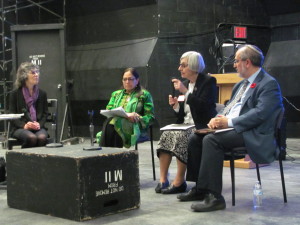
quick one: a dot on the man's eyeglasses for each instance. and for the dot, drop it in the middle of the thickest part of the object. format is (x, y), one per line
(128, 79)
(237, 61)
(183, 65)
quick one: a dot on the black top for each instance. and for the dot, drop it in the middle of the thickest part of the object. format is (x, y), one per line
(17, 105)
(201, 101)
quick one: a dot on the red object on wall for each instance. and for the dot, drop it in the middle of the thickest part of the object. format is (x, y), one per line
(240, 32)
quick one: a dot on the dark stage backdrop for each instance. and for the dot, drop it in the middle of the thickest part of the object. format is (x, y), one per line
(282, 62)
(105, 39)
(100, 34)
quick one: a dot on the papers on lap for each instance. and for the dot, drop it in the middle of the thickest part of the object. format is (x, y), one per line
(177, 127)
(213, 131)
(120, 112)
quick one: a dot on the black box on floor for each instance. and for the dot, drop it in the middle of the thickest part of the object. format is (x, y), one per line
(71, 183)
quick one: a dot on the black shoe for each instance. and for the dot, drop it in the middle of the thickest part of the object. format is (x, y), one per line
(211, 203)
(192, 195)
(174, 190)
(161, 186)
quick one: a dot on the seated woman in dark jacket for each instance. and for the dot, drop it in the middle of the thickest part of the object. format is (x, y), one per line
(196, 105)
(27, 98)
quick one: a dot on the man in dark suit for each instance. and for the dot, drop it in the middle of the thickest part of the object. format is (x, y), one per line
(252, 111)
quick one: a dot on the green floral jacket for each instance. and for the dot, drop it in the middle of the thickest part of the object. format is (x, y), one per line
(139, 102)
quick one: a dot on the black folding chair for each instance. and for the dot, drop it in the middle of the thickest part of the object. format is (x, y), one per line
(240, 152)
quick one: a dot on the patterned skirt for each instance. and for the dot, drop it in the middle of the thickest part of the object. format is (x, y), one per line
(175, 142)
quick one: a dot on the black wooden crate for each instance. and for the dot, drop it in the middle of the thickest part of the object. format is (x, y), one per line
(71, 183)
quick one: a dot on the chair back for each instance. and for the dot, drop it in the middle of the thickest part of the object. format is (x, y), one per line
(280, 118)
(52, 110)
(52, 119)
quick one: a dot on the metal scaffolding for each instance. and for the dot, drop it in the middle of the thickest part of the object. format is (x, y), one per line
(10, 16)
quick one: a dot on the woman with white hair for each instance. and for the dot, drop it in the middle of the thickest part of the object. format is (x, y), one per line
(195, 105)
(27, 98)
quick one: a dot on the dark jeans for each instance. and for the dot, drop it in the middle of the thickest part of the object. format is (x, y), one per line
(31, 138)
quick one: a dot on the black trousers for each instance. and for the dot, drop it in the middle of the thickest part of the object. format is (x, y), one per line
(109, 137)
(211, 166)
(194, 156)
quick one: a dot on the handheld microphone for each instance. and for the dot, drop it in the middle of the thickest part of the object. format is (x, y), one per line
(172, 87)
(26, 114)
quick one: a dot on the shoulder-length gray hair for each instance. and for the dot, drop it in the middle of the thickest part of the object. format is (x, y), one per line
(194, 60)
(22, 73)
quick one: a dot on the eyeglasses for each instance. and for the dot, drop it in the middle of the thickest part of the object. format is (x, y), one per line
(238, 60)
(35, 72)
(183, 65)
(128, 79)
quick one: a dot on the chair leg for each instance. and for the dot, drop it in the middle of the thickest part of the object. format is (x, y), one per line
(9, 146)
(232, 180)
(152, 153)
(258, 173)
(136, 146)
(282, 180)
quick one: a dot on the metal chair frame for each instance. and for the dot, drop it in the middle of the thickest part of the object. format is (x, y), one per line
(152, 150)
(240, 152)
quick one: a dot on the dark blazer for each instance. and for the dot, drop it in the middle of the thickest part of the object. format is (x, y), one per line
(258, 116)
(17, 104)
(201, 101)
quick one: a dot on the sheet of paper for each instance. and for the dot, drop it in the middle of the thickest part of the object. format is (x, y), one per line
(11, 116)
(177, 127)
(119, 112)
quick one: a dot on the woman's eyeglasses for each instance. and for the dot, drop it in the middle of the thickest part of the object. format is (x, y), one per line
(128, 79)
(35, 72)
(183, 65)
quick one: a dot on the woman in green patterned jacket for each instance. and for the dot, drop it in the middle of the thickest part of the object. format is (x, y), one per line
(138, 104)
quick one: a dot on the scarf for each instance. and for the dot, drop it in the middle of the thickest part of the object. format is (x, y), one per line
(31, 100)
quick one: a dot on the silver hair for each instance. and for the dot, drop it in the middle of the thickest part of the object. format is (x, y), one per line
(22, 73)
(195, 61)
(253, 53)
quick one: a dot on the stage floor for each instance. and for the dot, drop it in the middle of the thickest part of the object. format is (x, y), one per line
(166, 209)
